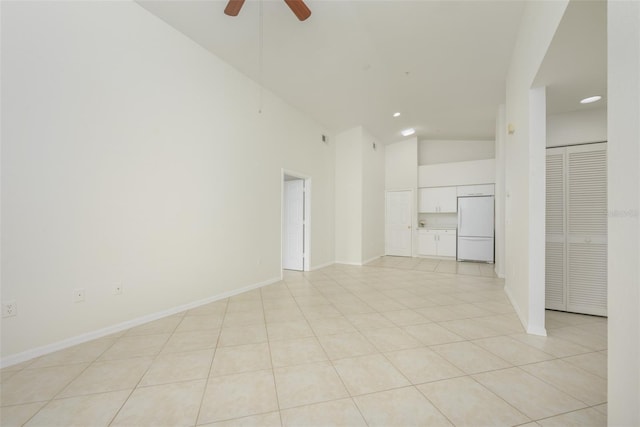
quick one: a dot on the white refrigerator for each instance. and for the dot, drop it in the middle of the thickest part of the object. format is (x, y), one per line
(475, 228)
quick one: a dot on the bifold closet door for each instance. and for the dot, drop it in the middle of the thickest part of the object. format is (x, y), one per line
(555, 259)
(576, 229)
(586, 188)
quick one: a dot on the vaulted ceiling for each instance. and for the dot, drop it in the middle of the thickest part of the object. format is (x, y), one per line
(441, 64)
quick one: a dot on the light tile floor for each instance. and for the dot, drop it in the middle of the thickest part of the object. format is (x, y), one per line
(399, 342)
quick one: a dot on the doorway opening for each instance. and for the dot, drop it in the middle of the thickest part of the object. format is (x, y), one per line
(296, 198)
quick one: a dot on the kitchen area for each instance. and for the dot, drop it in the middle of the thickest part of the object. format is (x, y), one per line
(442, 212)
(457, 222)
(456, 208)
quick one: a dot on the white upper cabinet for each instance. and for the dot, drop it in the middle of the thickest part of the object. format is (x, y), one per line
(438, 200)
(476, 190)
(428, 201)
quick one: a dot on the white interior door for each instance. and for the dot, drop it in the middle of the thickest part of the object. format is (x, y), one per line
(587, 229)
(576, 229)
(293, 225)
(398, 223)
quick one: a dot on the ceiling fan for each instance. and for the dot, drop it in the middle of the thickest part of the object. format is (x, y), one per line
(298, 8)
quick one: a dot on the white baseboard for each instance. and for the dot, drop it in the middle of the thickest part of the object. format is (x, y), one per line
(371, 259)
(88, 336)
(359, 263)
(318, 267)
(348, 263)
(440, 258)
(516, 307)
(532, 330)
(537, 331)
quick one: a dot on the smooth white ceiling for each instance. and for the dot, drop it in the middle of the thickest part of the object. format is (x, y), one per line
(442, 64)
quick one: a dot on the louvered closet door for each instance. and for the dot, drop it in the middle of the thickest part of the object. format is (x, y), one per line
(556, 295)
(587, 229)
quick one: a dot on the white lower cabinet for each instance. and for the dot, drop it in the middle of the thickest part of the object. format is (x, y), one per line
(437, 243)
(427, 242)
(447, 243)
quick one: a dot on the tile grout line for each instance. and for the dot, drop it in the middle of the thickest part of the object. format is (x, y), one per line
(215, 350)
(89, 364)
(145, 372)
(571, 412)
(410, 384)
(496, 395)
(317, 338)
(555, 387)
(273, 372)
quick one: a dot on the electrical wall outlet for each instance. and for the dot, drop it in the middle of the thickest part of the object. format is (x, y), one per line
(117, 288)
(78, 295)
(9, 308)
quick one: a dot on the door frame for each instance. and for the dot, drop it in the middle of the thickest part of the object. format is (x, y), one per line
(307, 217)
(412, 216)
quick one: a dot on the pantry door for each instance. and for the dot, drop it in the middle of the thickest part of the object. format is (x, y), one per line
(398, 223)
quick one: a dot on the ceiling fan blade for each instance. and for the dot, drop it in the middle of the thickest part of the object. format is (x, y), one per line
(299, 9)
(233, 7)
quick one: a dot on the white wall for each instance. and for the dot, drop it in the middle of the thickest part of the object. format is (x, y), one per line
(539, 23)
(624, 207)
(359, 190)
(577, 127)
(348, 194)
(130, 154)
(401, 173)
(499, 189)
(401, 164)
(537, 209)
(373, 166)
(459, 173)
(449, 151)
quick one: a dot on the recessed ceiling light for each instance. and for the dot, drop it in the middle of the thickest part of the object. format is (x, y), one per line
(408, 132)
(591, 99)
(396, 114)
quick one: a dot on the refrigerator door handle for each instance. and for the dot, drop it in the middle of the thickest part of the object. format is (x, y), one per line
(459, 219)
